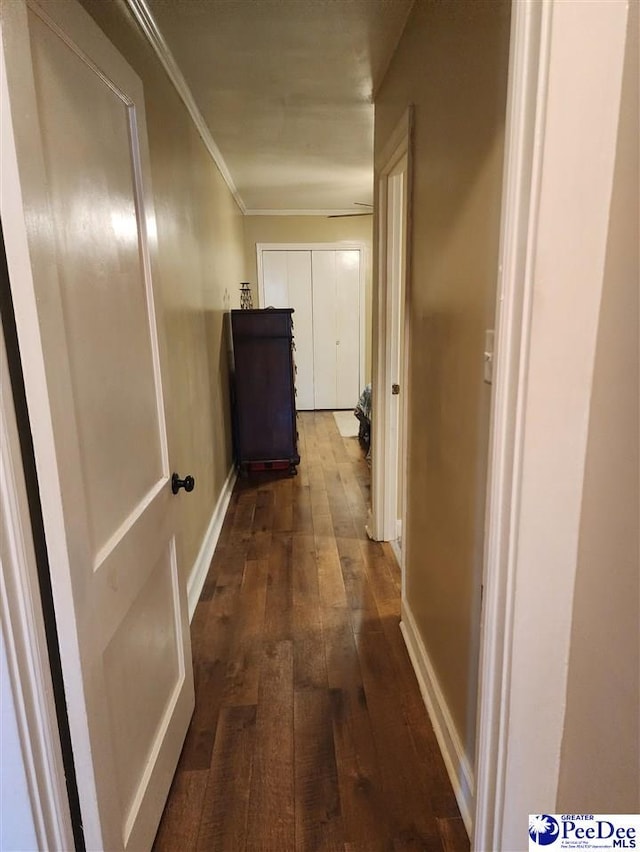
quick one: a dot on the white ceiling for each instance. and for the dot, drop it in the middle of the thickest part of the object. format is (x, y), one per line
(285, 88)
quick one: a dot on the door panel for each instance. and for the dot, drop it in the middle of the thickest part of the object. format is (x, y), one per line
(104, 296)
(324, 321)
(300, 299)
(143, 667)
(286, 279)
(91, 359)
(397, 342)
(347, 328)
(274, 273)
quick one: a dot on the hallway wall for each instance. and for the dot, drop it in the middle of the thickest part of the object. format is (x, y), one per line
(201, 264)
(601, 747)
(311, 229)
(451, 64)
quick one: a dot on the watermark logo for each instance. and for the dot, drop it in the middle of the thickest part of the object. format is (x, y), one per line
(543, 829)
(584, 831)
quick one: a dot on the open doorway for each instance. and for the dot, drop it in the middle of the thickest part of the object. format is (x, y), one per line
(391, 389)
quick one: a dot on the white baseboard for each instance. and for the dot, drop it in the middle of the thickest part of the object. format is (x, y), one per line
(458, 766)
(201, 566)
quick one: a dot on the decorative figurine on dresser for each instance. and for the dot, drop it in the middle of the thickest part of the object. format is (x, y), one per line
(264, 408)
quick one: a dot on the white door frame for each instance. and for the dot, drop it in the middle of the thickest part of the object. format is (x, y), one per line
(20, 604)
(347, 245)
(384, 496)
(549, 281)
(513, 305)
(24, 635)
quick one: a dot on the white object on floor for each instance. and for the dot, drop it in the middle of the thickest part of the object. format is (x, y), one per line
(347, 423)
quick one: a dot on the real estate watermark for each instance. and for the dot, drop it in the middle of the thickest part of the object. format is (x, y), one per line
(584, 831)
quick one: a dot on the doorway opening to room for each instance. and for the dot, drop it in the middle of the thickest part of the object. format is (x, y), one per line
(390, 447)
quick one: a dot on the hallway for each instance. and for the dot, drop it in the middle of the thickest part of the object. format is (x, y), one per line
(309, 730)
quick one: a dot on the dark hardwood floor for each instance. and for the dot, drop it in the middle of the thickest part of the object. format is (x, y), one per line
(309, 730)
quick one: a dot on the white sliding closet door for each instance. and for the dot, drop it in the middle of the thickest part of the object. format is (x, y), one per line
(336, 319)
(325, 362)
(287, 284)
(323, 288)
(347, 328)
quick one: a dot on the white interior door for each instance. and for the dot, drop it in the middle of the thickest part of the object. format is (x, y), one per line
(388, 479)
(325, 362)
(286, 277)
(336, 322)
(397, 342)
(79, 228)
(347, 319)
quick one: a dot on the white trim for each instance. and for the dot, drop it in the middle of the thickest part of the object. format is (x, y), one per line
(340, 245)
(397, 144)
(339, 211)
(336, 245)
(529, 49)
(456, 761)
(142, 14)
(558, 125)
(202, 563)
(25, 639)
(380, 526)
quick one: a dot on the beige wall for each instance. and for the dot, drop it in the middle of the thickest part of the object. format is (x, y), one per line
(600, 760)
(311, 229)
(201, 263)
(452, 65)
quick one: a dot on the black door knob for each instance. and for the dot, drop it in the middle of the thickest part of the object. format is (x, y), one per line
(188, 483)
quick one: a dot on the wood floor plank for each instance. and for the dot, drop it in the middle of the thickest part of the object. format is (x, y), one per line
(364, 809)
(454, 835)
(225, 806)
(283, 509)
(181, 818)
(211, 655)
(343, 663)
(309, 666)
(442, 800)
(381, 580)
(263, 513)
(317, 798)
(353, 494)
(278, 616)
(210, 668)
(243, 666)
(302, 517)
(271, 820)
(360, 596)
(243, 517)
(402, 776)
(330, 579)
(304, 570)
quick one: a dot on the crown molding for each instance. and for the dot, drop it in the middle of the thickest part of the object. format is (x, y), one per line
(143, 16)
(337, 212)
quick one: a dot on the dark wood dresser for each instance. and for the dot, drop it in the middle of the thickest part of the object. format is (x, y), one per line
(263, 389)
